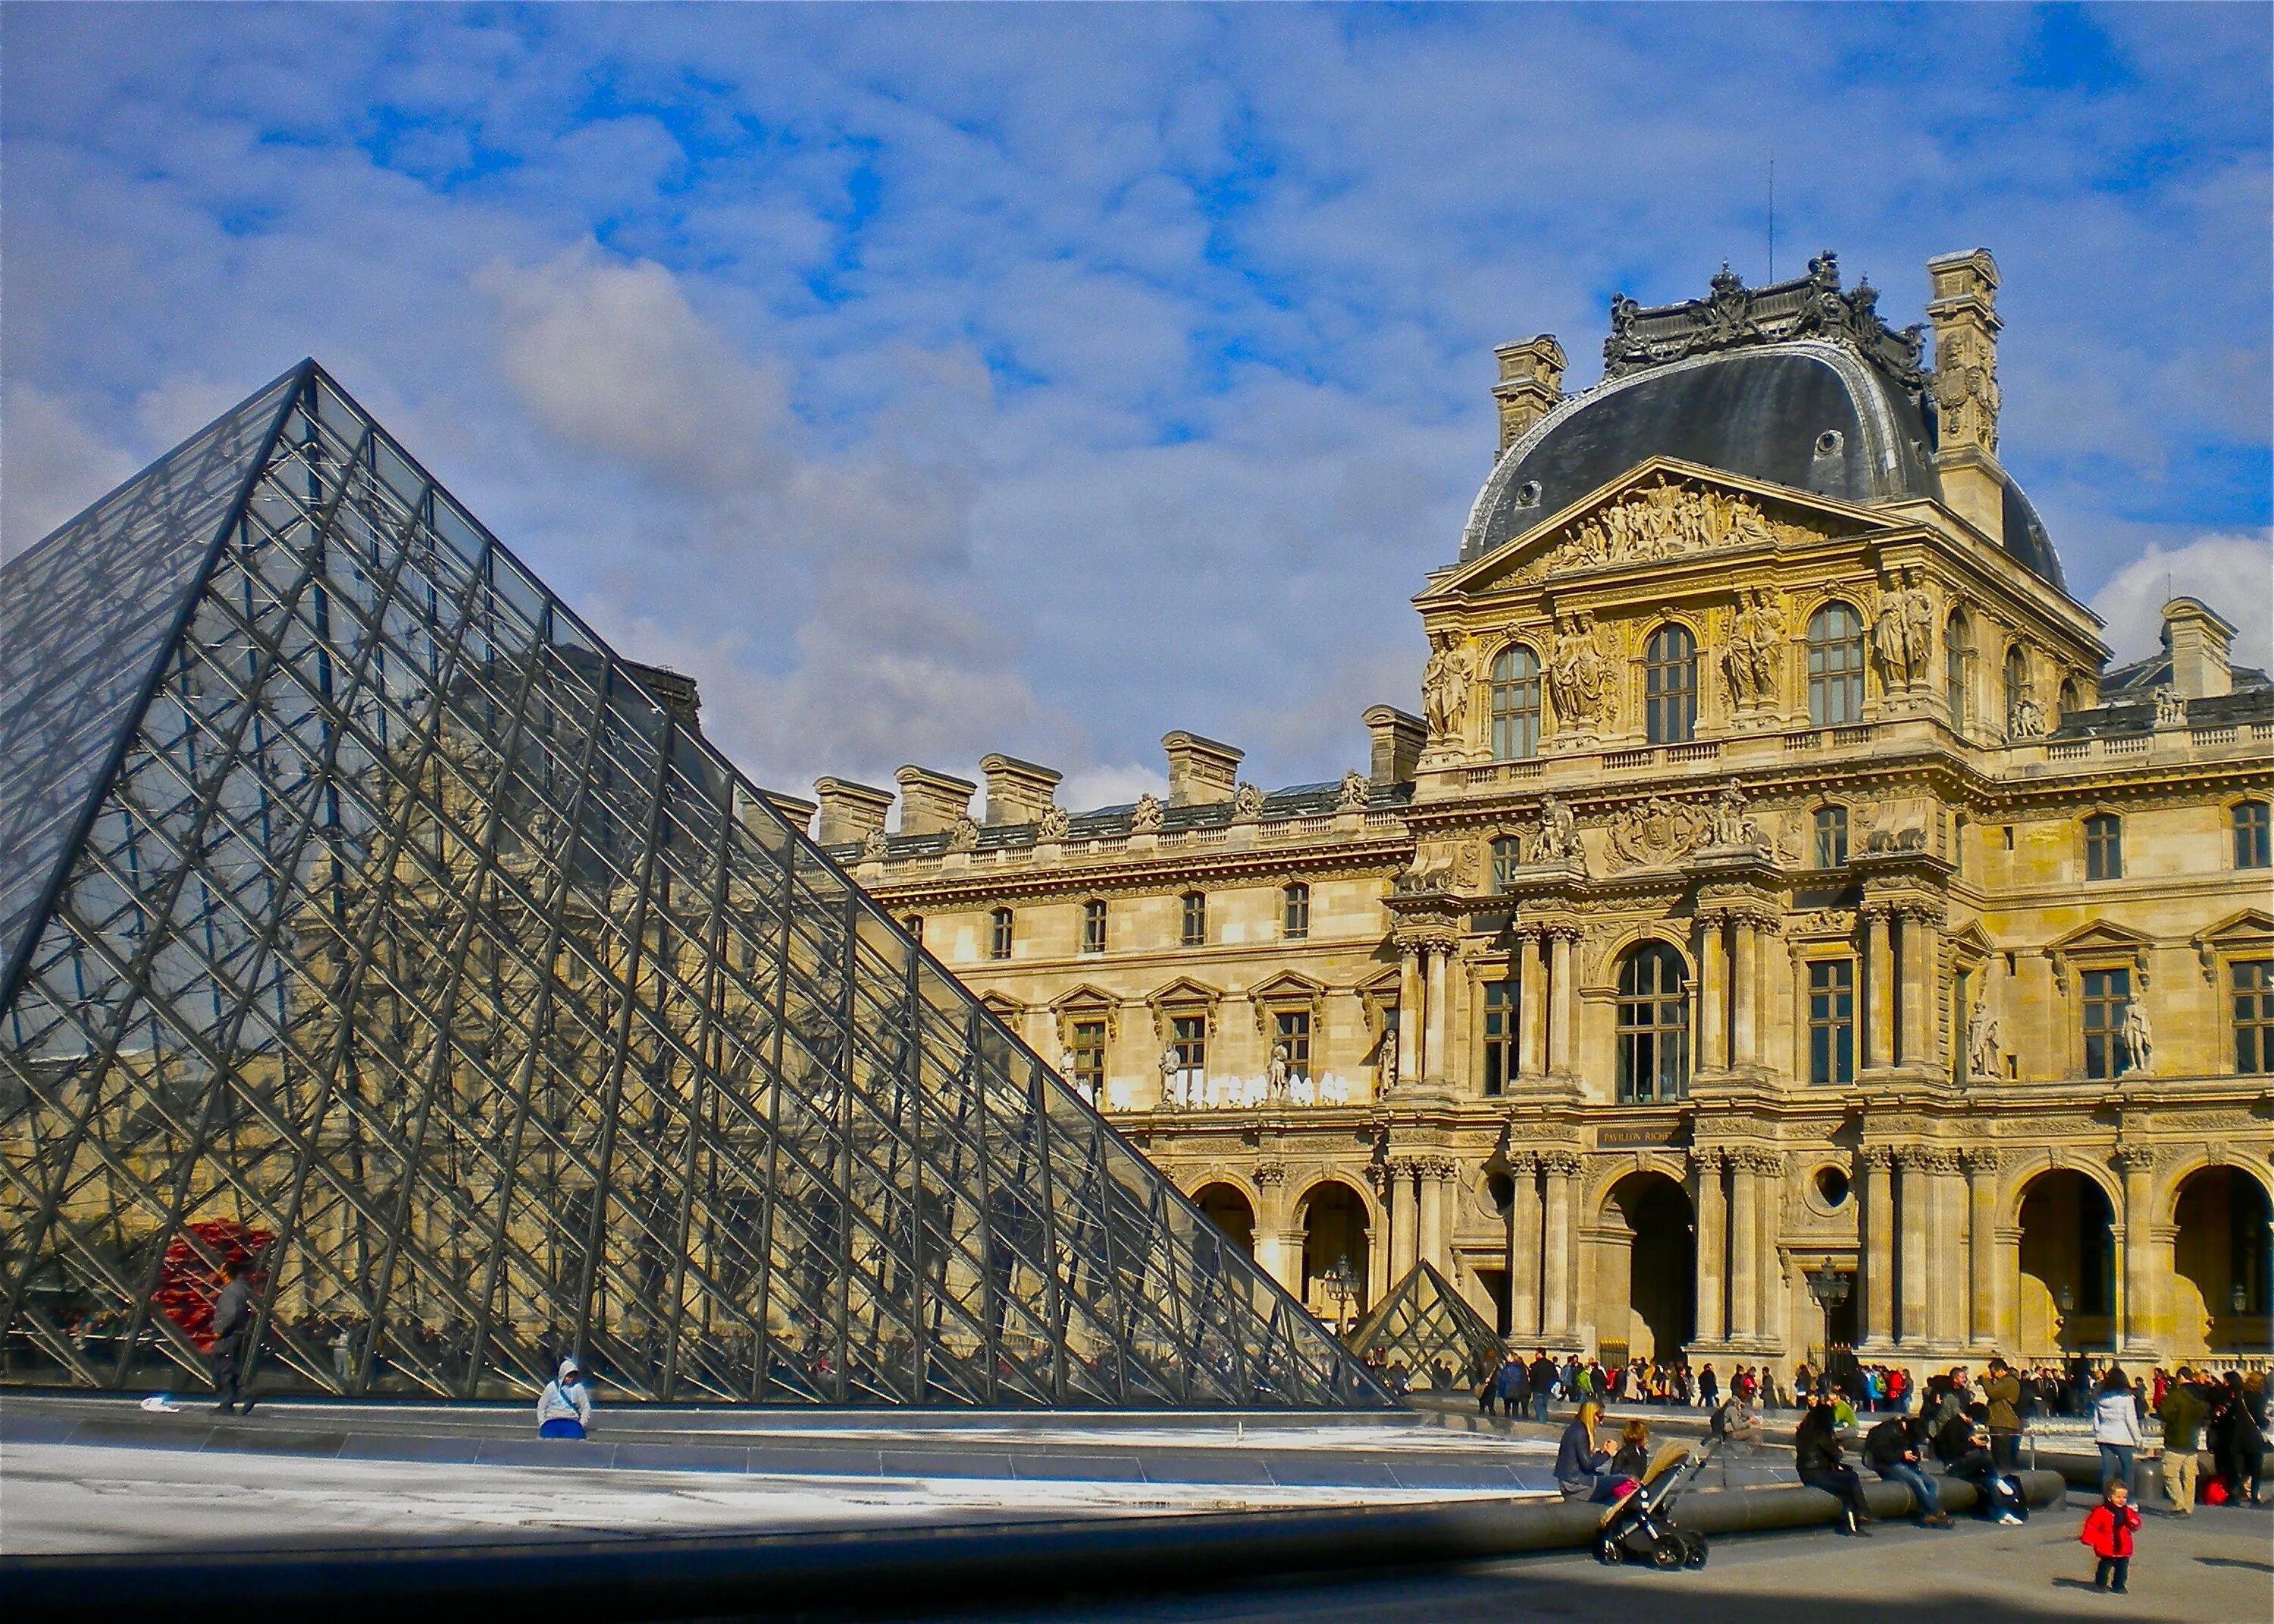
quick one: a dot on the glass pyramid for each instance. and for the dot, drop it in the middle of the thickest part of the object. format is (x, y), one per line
(365, 917)
(1427, 1326)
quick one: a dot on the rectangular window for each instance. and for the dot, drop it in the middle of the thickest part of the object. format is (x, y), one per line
(1831, 838)
(1189, 1033)
(2104, 846)
(1508, 857)
(2253, 835)
(1831, 1022)
(1293, 1033)
(998, 933)
(2107, 995)
(1296, 912)
(2253, 1018)
(1088, 1048)
(1093, 925)
(1502, 1006)
(1195, 919)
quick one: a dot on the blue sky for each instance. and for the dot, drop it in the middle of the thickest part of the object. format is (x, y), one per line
(930, 380)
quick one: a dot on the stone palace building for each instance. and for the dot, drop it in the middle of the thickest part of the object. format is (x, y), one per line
(1779, 925)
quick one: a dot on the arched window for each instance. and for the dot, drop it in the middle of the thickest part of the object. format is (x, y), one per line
(2068, 700)
(2016, 682)
(1835, 667)
(913, 925)
(1670, 685)
(1515, 705)
(1957, 660)
(1295, 911)
(998, 933)
(1654, 1026)
(1831, 836)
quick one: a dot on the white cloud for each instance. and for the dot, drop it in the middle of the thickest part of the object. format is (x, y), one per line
(1111, 785)
(52, 465)
(2234, 574)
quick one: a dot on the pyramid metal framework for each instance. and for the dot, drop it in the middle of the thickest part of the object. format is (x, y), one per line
(364, 916)
(1425, 1324)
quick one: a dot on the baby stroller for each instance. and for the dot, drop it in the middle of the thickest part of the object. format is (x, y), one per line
(1639, 1526)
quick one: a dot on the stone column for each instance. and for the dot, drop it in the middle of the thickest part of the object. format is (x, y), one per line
(1744, 1040)
(1982, 1247)
(1712, 1245)
(1922, 954)
(2140, 1321)
(1437, 1034)
(1410, 1014)
(1559, 1219)
(1531, 992)
(1769, 1165)
(1524, 1233)
(1713, 993)
(1874, 1204)
(1744, 1246)
(1947, 1272)
(1878, 991)
(1432, 1172)
(1405, 1231)
(1279, 1253)
(1565, 996)
(1912, 1174)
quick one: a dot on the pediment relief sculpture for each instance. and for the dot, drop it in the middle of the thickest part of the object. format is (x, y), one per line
(1657, 832)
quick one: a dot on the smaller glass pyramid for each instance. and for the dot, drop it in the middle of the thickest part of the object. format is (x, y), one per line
(1426, 1327)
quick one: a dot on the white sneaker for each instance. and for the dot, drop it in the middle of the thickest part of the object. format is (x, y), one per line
(2006, 1519)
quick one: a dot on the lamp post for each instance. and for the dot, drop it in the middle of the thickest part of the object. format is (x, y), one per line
(1830, 1288)
(1342, 1285)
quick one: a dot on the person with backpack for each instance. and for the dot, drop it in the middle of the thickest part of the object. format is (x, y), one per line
(2108, 1531)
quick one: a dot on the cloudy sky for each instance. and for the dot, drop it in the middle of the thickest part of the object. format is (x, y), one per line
(932, 381)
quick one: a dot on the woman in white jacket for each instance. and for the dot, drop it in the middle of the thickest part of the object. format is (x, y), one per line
(2116, 1427)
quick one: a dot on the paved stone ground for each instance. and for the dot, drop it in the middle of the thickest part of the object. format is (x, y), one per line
(2215, 1567)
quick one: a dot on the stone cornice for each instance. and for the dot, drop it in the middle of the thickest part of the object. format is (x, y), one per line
(1179, 866)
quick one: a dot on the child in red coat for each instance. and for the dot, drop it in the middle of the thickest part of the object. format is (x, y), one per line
(2108, 1530)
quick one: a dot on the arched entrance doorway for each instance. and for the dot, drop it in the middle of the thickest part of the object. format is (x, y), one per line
(2066, 1303)
(2219, 1266)
(1335, 1249)
(1228, 1207)
(1661, 1265)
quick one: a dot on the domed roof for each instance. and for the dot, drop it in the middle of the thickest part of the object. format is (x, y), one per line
(1798, 384)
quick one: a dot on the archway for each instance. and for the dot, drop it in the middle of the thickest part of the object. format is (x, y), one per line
(2219, 1266)
(1661, 1265)
(2066, 1303)
(1335, 1248)
(1228, 1207)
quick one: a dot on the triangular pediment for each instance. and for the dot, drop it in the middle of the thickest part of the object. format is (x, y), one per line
(1083, 996)
(2101, 936)
(1183, 989)
(1288, 984)
(1659, 510)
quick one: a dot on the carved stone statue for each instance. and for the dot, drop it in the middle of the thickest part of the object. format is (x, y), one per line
(1658, 831)
(1056, 821)
(1073, 1080)
(2025, 718)
(1579, 676)
(2170, 707)
(1445, 687)
(1749, 665)
(874, 845)
(964, 836)
(1985, 1056)
(1558, 838)
(1902, 632)
(1247, 801)
(1144, 817)
(1385, 1069)
(1172, 1065)
(1274, 1074)
(1355, 791)
(1729, 824)
(2139, 1039)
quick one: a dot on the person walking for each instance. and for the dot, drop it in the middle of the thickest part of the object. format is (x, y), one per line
(2116, 1428)
(1579, 1466)
(2001, 1390)
(1893, 1449)
(1816, 1454)
(564, 1410)
(233, 1332)
(2108, 1531)
(2182, 1413)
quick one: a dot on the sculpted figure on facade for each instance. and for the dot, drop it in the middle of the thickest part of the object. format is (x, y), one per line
(1984, 1057)
(1055, 824)
(1557, 839)
(1145, 818)
(2170, 709)
(1445, 687)
(1729, 826)
(2025, 717)
(1275, 1074)
(1658, 831)
(874, 846)
(1246, 801)
(1172, 1065)
(1902, 632)
(1662, 520)
(2139, 1039)
(1354, 792)
(1579, 675)
(1749, 665)
(964, 836)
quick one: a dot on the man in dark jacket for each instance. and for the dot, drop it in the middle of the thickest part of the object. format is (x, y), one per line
(2003, 1391)
(1513, 1386)
(1893, 1449)
(1542, 1379)
(232, 1323)
(2182, 1413)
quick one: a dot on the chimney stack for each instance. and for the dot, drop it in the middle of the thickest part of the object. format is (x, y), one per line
(930, 802)
(795, 810)
(1964, 311)
(1530, 386)
(1018, 791)
(2198, 643)
(1397, 742)
(1202, 772)
(850, 812)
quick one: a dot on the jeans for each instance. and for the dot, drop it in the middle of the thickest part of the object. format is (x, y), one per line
(1921, 1487)
(1540, 1405)
(2111, 1567)
(2115, 1465)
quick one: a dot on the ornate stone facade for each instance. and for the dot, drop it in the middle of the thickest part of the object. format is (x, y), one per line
(1833, 907)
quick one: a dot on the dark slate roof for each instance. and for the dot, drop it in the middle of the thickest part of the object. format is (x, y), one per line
(2128, 706)
(2144, 676)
